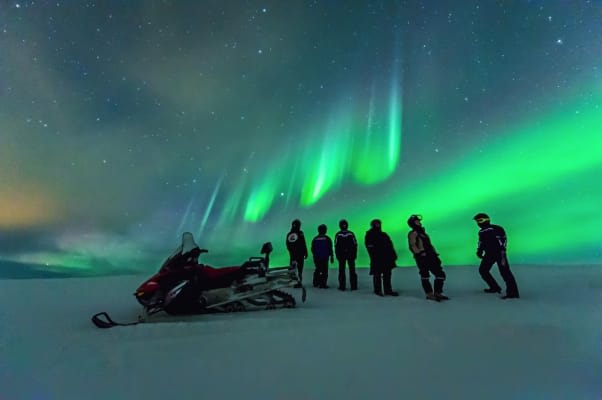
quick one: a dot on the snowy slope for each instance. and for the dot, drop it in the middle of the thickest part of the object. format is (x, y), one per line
(547, 345)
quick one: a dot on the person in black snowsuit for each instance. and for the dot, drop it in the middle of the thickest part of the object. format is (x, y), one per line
(427, 259)
(382, 258)
(321, 249)
(297, 247)
(491, 249)
(345, 249)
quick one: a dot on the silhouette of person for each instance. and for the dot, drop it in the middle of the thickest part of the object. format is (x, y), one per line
(382, 258)
(427, 259)
(297, 247)
(491, 249)
(345, 249)
(321, 249)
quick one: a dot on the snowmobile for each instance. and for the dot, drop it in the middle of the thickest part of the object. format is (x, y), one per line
(200, 289)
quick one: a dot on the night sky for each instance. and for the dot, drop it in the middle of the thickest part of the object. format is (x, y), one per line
(125, 123)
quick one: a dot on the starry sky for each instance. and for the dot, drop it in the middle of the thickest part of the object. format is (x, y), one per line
(125, 123)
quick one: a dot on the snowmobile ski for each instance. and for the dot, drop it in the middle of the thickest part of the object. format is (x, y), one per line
(103, 321)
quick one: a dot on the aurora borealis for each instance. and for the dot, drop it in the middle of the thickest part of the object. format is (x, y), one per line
(123, 124)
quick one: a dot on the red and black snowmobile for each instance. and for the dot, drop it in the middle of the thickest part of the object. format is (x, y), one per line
(198, 288)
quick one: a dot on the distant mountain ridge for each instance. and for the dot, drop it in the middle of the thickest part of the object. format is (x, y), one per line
(18, 270)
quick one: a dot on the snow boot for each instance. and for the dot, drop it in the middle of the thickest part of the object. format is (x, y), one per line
(431, 296)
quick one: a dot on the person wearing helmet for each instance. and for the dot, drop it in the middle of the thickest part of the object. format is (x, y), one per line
(345, 249)
(427, 259)
(297, 247)
(382, 258)
(321, 249)
(491, 249)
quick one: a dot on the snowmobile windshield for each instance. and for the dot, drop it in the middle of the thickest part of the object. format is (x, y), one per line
(187, 245)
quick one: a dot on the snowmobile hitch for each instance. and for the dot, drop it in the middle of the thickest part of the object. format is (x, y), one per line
(108, 322)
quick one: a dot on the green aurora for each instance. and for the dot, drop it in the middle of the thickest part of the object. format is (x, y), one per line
(231, 120)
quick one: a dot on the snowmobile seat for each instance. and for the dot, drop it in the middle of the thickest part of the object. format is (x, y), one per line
(254, 266)
(215, 278)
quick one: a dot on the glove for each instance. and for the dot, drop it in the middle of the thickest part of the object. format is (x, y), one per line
(480, 254)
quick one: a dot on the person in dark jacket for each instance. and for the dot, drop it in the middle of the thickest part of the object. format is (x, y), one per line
(297, 247)
(345, 249)
(427, 259)
(321, 249)
(491, 249)
(382, 258)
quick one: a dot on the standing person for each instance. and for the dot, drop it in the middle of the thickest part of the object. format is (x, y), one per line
(321, 249)
(345, 248)
(427, 259)
(491, 249)
(382, 258)
(297, 247)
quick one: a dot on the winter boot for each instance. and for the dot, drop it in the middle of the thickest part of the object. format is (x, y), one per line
(431, 296)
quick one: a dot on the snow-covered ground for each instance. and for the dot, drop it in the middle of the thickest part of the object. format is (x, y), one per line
(546, 345)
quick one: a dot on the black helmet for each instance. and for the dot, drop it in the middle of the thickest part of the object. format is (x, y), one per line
(482, 219)
(296, 224)
(375, 223)
(343, 224)
(322, 229)
(413, 218)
